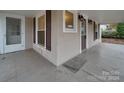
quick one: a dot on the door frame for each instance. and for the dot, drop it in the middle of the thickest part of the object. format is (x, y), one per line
(81, 35)
(14, 47)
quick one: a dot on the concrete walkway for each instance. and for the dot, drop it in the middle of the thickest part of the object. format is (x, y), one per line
(104, 62)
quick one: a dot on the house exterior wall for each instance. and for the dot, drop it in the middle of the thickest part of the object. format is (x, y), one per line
(1, 34)
(3, 47)
(28, 32)
(68, 42)
(50, 55)
(65, 45)
(91, 41)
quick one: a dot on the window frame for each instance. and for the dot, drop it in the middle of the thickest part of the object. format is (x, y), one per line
(34, 30)
(13, 33)
(42, 14)
(75, 17)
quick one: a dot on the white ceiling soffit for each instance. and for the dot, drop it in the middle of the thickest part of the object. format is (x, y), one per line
(22, 12)
(101, 16)
(105, 16)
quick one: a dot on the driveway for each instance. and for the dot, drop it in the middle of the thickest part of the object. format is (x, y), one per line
(103, 62)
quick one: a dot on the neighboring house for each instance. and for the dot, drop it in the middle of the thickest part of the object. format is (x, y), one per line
(58, 35)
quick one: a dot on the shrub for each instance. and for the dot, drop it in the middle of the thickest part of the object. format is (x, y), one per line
(109, 34)
(115, 34)
(120, 30)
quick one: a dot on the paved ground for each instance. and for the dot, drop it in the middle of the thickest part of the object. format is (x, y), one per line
(104, 62)
(113, 41)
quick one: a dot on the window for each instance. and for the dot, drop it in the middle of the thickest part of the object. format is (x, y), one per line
(69, 21)
(70, 18)
(41, 30)
(13, 31)
(41, 23)
(43, 27)
(41, 38)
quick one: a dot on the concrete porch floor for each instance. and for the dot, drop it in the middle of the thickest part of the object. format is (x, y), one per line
(104, 62)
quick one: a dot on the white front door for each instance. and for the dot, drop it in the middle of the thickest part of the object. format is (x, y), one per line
(14, 34)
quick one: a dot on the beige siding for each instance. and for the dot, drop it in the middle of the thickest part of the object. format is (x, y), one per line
(51, 55)
(28, 32)
(68, 43)
(65, 45)
(91, 41)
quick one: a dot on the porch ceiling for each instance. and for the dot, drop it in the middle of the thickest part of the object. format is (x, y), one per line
(102, 16)
(22, 12)
(105, 16)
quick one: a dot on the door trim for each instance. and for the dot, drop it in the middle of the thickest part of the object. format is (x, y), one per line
(22, 45)
(81, 37)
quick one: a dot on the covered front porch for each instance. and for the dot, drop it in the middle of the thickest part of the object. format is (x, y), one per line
(103, 62)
